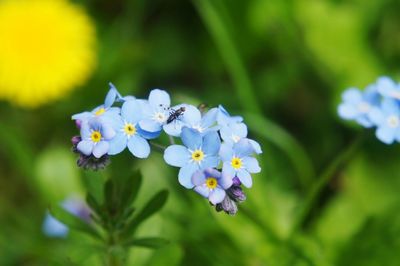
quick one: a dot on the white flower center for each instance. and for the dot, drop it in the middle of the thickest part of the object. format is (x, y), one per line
(235, 138)
(160, 117)
(393, 121)
(198, 128)
(364, 107)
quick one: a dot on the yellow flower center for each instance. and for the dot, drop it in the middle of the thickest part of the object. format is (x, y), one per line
(211, 182)
(100, 111)
(96, 136)
(236, 163)
(130, 129)
(198, 155)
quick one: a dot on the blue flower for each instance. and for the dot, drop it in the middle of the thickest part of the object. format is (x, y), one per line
(224, 118)
(387, 119)
(54, 228)
(96, 134)
(388, 88)
(155, 111)
(234, 132)
(357, 104)
(192, 118)
(200, 152)
(105, 110)
(128, 132)
(211, 184)
(238, 162)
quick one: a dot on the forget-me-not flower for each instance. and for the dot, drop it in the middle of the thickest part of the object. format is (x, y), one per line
(388, 88)
(155, 111)
(233, 132)
(387, 119)
(96, 134)
(237, 161)
(211, 184)
(128, 132)
(200, 152)
(192, 118)
(224, 118)
(357, 104)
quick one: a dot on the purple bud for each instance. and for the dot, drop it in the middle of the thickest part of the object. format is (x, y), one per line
(75, 140)
(236, 193)
(78, 123)
(228, 206)
(236, 181)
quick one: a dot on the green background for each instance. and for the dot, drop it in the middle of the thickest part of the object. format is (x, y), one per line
(280, 64)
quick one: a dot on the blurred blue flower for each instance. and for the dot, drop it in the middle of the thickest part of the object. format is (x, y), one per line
(96, 134)
(128, 133)
(388, 88)
(357, 104)
(54, 228)
(237, 161)
(233, 132)
(224, 118)
(200, 152)
(192, 118)
(211, 184)
(387, 119)
(155, 111)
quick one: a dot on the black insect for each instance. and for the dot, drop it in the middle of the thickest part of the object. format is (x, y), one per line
(175, 114)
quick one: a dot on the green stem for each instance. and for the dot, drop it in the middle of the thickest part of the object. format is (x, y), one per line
(322, 181)
(158, 147)
(229, 53)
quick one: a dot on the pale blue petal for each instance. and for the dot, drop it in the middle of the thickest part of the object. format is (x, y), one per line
(217, 196)
(386, 134)
(226, 180)
(245, 178)
(82, 116)
(212, 172)
(185, 175)
(210, 162)
(139, 147)
(243, 148)
(117, 144)
(174, 128)
(364, 121)
(176, 155)
(148, 135)
(159, 97)
(228, 170)
(131, 111)
(251, 164)
(256, 146)
(202, 190)
(348, 111)
(107, 131)
(390, 106)
(352, 95)
(86, 132)
(110, 97)
(100, 148)
(85, 147)
(226, 152)
(211, 143)
(150, 125)
(210, 118)
(191, 138)
(386, 86)
(198, 178)
(191, 116)
(376, 116)
(53, 227)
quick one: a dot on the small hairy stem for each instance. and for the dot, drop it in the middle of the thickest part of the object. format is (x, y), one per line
(171, 140)
(158, 147)
(322, 181)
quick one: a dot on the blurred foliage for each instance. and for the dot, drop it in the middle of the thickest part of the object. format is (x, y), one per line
(275, 62)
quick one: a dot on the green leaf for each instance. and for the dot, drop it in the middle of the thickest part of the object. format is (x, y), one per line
(148, 242)
(73, 222)
(93, 204)
(154, 205)
(130, 189)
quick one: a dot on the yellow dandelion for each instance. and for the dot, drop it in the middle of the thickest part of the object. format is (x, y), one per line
(47, 48)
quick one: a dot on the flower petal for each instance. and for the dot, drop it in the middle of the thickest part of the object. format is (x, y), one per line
(376, 116)
(110, 97)
(176, 155)
(251, 164)
(390, 106)
(348, 111)
(386, 134)
(82, 116)
(212, 172)
(211, 143)
(227, 169)
(352, 95)
(198, 178)
(185, 175)
(191, 138)
(150, 125)
(53, 227)
(174, 128)
(256, 146)
(139, 147)
(226, 180)
(117, 144)
(202, 190)
(245, 178)
(217, 196)
(243, 148)
(210, 118)
(100, 149)
(85, 147)
(210, 162)
(191, 116)
(131, 111)
(159, 97)
(226, 152)
(107, 131)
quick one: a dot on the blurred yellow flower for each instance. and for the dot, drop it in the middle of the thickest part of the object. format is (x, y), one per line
(47, 48)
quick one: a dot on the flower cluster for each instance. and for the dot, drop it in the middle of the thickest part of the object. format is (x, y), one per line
(377, 106)
(215, 156)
